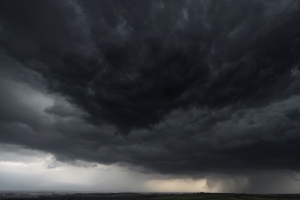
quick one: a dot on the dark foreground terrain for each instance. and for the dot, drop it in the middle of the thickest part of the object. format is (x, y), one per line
(136, 196)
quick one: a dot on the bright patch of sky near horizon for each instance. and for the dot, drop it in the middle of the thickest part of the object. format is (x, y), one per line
(23, 169)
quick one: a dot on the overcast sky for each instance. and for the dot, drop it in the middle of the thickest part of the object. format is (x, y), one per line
(160, 95)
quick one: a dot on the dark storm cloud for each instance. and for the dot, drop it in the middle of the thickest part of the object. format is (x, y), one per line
(188, 142)
(195, 87)
(130, 63)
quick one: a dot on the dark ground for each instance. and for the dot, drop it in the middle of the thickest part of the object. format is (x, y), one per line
(154, 196)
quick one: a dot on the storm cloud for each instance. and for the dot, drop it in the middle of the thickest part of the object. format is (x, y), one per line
(185, 88)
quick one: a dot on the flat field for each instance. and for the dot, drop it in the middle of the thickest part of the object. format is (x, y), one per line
(227, 197)
(154, 196)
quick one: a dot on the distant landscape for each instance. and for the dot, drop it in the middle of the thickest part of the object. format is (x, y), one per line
(137, 196)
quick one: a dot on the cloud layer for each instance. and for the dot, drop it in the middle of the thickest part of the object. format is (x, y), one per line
(185, 88)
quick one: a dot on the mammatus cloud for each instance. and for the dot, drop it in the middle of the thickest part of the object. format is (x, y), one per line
(194, 88)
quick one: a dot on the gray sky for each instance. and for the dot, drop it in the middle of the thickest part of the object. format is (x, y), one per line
(150, 95)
